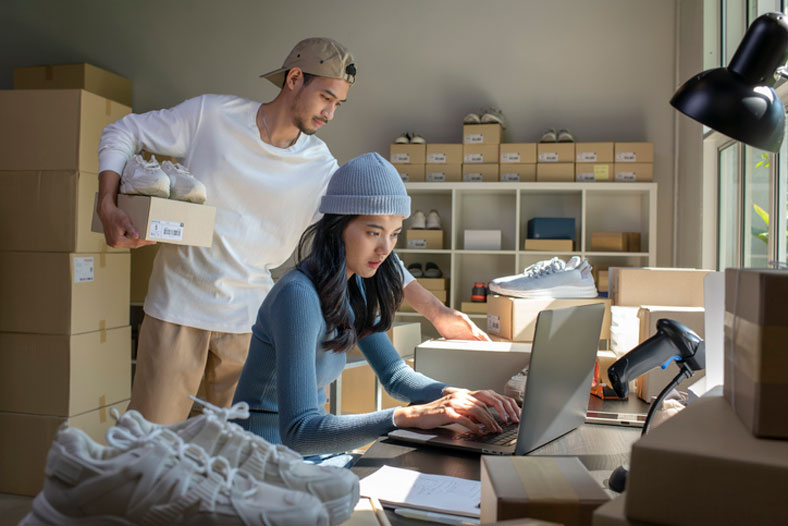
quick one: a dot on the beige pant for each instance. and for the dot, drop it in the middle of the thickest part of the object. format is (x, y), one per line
(171, 360)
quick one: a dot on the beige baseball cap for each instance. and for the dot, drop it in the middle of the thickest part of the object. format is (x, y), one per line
(317, 56)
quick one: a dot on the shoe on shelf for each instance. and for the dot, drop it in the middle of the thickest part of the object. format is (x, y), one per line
(479, 292)
(549, 135)
(183, 185)
(472, 118)
(336, 488)
(418, 221)
(433, 221)
(415, 138)
(492, 116)
(404, 138)
(415, 270)
(431, 270)
(157, 479)
(565, 136)
(550, 278)
(141, 177)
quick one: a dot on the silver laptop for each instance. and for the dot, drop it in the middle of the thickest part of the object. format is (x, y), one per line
(556, 393)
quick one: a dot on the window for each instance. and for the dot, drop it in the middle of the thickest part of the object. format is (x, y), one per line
(728, 232)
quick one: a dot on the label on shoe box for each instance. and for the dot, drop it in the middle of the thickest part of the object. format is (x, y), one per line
(586, 157)
(548, 157)
(474, 138)
(417, 243)
(510, 157)
(472, 178)
(436, 177)
(83, 270)
(436, 157)
(493, 323)
(474, 158)
(400, 157)
(510, 177)
(625, 176)
(169, 230)
(585, 177)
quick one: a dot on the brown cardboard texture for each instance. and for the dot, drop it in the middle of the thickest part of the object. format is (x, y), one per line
(422, 238)
(602, 281)
(53, 129)
(515, 318)
(611, 513)
(141, 268)
(444, 153)
(60, 293)
(633, 172)
(481, 133)
(434, 283)
(411, 173)
(518, 153)
(75, 76)
(49, 211)
(439, 173)
(615, 241)
(518, 172)
(726, 475)
(594, 172)
(634, 152)
(757, 295)
(594, 152)
(555, 172)
(167, 220)
(555, 152)
(558, 489)
(59, 375)
(474, 307)
(549, 245)
(478, 173)
(480, 153)
(657, 286)
(408, 153)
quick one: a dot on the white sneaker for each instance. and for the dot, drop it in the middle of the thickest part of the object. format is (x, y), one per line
(337, 488)
(433, 221)
(472, 118)
(415, 138)
(551, 278)
(404, 138)
(417, 220)
(549, 135)
(565, 136)
(183, 185)
(156, 480)
(141, 177)
(493, 116)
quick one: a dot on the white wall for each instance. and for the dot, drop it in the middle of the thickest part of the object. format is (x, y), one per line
(605, 69)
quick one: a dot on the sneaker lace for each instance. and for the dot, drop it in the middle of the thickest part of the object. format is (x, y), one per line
(544, 268)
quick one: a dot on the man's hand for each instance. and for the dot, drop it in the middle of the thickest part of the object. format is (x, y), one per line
(455, 325)
(118, 230)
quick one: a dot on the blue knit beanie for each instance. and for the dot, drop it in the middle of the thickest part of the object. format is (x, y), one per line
(366, 185)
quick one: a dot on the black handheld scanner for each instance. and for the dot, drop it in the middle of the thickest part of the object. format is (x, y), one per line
(673, 341)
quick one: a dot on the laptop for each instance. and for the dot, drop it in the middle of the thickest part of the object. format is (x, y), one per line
(556, 392)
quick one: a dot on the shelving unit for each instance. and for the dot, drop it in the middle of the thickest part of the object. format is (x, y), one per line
(622, 207)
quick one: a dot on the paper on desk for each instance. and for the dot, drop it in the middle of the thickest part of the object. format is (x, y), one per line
(405, 487)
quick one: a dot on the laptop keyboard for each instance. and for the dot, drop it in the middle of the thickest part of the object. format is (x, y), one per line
(504, 438)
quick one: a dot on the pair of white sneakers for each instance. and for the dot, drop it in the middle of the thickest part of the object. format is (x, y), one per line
(410, 138)
(486, 116)
(563, 135)
(432, 221)
(203, 471)
(168, 180)
(551, 278)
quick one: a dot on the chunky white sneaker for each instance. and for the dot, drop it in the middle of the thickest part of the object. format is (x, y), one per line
(472, 118)
(493, 116)
(549, 279)
(549, 135)
(417, 220)
(183, 185)
(337, 488)
(565, 136)
(157, 479)
(415, 138)
(433, 221)
(141, 177)
(404, 138)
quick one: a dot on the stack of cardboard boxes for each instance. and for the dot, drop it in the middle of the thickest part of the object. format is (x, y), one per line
(64, 319)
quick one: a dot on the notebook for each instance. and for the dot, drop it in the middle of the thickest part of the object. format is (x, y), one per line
(556, 393)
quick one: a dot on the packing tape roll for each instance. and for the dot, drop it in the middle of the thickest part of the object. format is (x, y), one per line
(545, 481)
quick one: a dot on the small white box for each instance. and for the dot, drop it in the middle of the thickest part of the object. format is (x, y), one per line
(482, 240)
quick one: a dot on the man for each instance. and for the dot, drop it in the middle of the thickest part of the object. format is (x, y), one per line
(265, 172)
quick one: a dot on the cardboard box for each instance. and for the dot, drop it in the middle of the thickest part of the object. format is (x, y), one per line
(515, 318)
(633, 172)
(727, 476)
(75, 76)
(60, 293)
(558, 489)
(434, 283)
(482, 133)
(408, 153)
(657, 286)
(611, 513)
(482, 240)
(551, 228)
(615, 241)
(49, 211)
(518, 173)
(59, 375)
(478, 173)
(519, 153)
(602, 281)
(634, 152)
(53, 129)
(480, 153)
(549, 245)
(590, 172)
(426, 239)
(555, 152)
(25, 441)
(444, 153)
(167, 220)
(411, 173)
(555, 172)
(141, 268)
(438, 173)
(756, 364)
(473, 307)
(594, 152)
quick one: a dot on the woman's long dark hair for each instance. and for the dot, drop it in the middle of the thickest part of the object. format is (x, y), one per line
(321, 255)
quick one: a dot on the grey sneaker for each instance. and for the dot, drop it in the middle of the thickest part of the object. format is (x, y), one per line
(183, 185)
(141, 177)
(565, 136)
(549, 135)
(157, 479)
(551, 278)
(337, 488)
(493, 116)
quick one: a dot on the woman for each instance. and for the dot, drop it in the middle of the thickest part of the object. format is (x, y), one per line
(345, 290)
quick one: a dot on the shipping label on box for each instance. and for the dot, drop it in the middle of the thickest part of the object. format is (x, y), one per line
(480, 173)
(555, 172)
(633, 172)
(657, 286)
(555, 152)
(518, 172)
(426, 239)
(75, 76)
(520, 153)
(590, 172)
(408, 153)
(515, 318)
(411, 173)
(634, 152)
(480, 153)
(444, 153)
(594, 152)
(439, 173)
(481, 133)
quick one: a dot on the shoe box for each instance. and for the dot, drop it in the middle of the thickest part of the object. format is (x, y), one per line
(439, 173)
(594, 152)
(549, 245)
(518, 153)
(408, 153)
(25, 440)
(480, 173)
(704, 466)
(482, 134)
(555, 172)
(75, 76)
(514, 319)
(633, 172)
(558, 489)
(611, 513)
(555, 234)
(634, 152)
(438, 153)
(615, 242)
(635, 286)
(166, 220)
(756, 362)
(556, 152)
(474, 307)
(424, 238)
(517, 172)
(594, 172)
(481, 240)
(411, 173)
(480, 153)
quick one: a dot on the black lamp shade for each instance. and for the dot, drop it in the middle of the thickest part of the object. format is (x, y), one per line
(739, 100)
